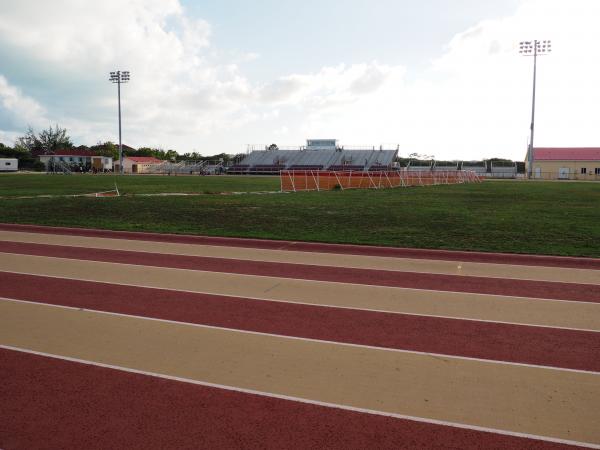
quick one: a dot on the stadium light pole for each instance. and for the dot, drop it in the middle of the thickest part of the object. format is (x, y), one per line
(533, 48)
(119, 77)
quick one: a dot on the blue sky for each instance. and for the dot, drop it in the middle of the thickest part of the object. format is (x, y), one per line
(436, 77)
(294, 36)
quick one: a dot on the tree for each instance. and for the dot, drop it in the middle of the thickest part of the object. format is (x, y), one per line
(28, 142)
(272, 147)
(54, 139)
(193, 156)
(46, 142)
(106, 149)
(142, 151)
(26, 161)
(9, 152)
(171, 155)
(158, 153)
(223, 157)
(6, 151)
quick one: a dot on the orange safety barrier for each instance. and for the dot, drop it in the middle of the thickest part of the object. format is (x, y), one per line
(325, 180)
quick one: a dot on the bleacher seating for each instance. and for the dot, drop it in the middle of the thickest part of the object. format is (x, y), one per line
(306, 167)
(239, 168)
(272, 161)
(180, 167)
(445, 167)
(479, 167)
(378, 168)
(500, 170)
(353, 167)
(267, 169)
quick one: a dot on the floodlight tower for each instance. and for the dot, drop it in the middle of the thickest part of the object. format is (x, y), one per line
(119, 77)
(533, 48)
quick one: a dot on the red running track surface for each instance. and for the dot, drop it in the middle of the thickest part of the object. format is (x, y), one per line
(454, 283)
(452, 255)
(101, 408)
(495, 341)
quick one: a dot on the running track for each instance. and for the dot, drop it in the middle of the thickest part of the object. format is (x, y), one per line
(140, 340)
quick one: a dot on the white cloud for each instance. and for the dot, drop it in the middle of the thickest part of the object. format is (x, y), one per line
(329, 86)
(22, 109)
(472, 102)
(475, 99)
(175, 93)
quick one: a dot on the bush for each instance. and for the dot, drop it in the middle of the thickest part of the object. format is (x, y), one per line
(38, 166)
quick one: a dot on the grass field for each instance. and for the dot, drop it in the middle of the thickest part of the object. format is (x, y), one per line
(12, 185)
(505, 216)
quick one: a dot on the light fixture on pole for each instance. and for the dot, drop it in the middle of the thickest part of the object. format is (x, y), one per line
(119, 77)
(533, 48)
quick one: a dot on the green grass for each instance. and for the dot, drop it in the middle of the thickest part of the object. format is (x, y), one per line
(505, 216)
(12, 185)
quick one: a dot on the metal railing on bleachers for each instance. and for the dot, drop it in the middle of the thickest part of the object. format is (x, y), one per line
(378, 168)
(178, 168)
(238, 169)
(305, 167)
(351, 167)
(57, 166)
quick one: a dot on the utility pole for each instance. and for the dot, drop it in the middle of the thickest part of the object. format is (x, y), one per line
(533, 48)
(119, 77)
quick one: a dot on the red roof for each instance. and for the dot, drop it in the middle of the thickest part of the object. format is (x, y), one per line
(566, 154)
(144, 159)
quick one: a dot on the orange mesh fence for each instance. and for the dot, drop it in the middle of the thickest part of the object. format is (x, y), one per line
(325, 180)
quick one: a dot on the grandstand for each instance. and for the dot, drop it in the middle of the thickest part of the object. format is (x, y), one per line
(178, 168)
(479, 167)
(492, 168)
(318, 154)
(415, 165)
(445, 166)
(327, 154)
(503, 169)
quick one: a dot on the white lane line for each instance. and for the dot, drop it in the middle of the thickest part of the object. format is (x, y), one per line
(305, 400)
(325, 305)
(299, 338)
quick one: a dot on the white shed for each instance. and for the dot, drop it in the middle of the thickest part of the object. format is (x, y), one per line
(9, 164)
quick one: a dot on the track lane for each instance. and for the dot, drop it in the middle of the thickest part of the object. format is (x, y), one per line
(350, 249)
(431, 266)
(503, 342)
(450, 283)
(525, 311)
(572, 349)
(515, 398)
(104, 408)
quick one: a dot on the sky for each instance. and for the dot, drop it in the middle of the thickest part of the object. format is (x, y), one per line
(436, 77)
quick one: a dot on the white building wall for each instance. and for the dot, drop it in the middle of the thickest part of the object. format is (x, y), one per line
(107, 161)
(9, 164)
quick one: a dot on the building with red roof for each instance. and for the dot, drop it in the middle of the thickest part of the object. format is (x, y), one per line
(566, 163)
(138, 164)
(76, 159)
